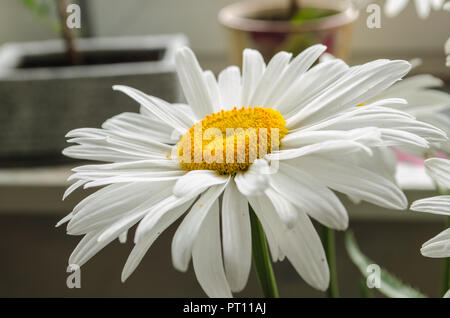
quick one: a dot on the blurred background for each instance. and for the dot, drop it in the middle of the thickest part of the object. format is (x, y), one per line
(45, 92)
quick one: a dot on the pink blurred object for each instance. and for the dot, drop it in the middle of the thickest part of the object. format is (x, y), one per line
(404, 157)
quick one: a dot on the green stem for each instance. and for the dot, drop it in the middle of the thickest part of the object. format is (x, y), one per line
(330, 251)
(261, 258)
(446, 271)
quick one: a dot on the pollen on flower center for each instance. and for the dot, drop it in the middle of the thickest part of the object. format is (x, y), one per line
(229, 141)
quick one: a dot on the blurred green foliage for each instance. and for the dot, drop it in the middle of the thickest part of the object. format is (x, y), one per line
(390, 285)
(311, 13)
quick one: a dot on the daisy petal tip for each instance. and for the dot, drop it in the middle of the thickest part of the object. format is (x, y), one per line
(180, 267)
(342, 226)
(126, 273)
(118, 87)
(424, 251)
(324, 282)
(139, 234)
(321, 47)
(183, 54)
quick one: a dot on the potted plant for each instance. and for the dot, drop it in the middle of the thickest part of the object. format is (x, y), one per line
(50, 87)
(290, 25)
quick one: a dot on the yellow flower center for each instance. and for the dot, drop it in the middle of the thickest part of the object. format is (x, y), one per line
(229, 141)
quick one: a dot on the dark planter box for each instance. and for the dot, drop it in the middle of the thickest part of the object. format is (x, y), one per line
(42, 98)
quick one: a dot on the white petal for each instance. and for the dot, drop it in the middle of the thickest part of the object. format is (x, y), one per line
(237, 240)
(285, 210)
(157, 212)
(207, 256)
(309, 85)
(334, 146)
(152, 176)
(123, 237)
(73, 187)
(193, 83)
(214, 91)
(186, 233)
(393, 7)
(139, 125)
(158, 107)
(130, 218)
(423, 8)
(111, 207)
(447, 294)
(354, 180)
(369, 136)
(255, 180)
(438, 246)
(230, 87)
(436, 205)
(316, 200)
(291, 77)
(253, 67)
(265, 211)
(357, 86)
(146, 242)
(267, 84)
(303, 248)
(439, 169)
(65, 219)
(301, 244)
(196, 181)
(436, 4)
(412, 83)
(130, 166)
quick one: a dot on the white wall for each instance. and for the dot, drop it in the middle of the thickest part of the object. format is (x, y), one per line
(404, 36)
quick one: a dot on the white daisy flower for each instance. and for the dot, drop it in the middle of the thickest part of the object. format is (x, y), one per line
(393, 7)
(325, 143)
(439, 170)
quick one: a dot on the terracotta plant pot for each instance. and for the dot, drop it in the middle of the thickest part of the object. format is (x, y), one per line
(246, 29)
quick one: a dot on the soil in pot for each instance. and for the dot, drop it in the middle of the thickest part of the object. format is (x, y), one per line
(100, 57)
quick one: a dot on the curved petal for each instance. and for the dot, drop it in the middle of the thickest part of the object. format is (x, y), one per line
(230, 87)
(273, 72)
(187, 231)
(253, 67)
(255, 180)
(237, 239)
(207, 256)
(438, 246)
(193, 83)
(439, 169)
(196, 181)
(142, 246)
(436, 205)
(353, 180)
(316, 199)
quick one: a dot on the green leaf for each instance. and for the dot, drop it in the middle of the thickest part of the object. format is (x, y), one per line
(390, 285)
(309, 13)
(364, 291)
(40, 7)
